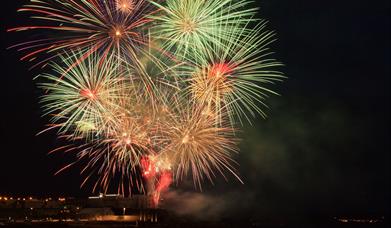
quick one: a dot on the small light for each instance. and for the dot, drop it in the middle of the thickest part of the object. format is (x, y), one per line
(128, 141)
(185, 139)
(88, 93)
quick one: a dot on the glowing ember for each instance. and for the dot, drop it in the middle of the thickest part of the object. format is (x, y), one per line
(211, 85)
(128, 141)
(158, 173)
(125, 6)
(117, 32)
(147, 167)
(220, 69)
(188, 26)
(87, 93)
(163, 183)
(185, 139)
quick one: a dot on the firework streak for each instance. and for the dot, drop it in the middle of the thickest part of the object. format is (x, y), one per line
(147, 93)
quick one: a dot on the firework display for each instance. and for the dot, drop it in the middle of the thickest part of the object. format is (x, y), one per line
(150, 92)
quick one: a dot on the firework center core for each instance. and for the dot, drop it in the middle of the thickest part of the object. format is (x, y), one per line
(188, 26)
(219, 70)
(89, 94)
(126, 6)
(117, 32)
(186, 139)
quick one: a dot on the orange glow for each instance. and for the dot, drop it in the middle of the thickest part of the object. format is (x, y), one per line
(212, 83)
(125, 6)
(220, 69)
(188, 26)
(89, 94)
(148, 167)
(185, 139)
(117, 32)
(116, 218)
(128, 141)
(164, 182)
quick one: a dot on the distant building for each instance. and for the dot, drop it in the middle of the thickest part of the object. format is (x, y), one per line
(104, 207)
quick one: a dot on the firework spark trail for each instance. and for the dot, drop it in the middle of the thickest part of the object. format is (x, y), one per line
(82, 100)
(158, 175)
(125, 6)
(86, 26)
(187, 25)
(199, 145)
(233, 78)
(129, 136)
(150, 92)
(163, 183)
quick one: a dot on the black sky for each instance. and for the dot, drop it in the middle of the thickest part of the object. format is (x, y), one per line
(324, 147)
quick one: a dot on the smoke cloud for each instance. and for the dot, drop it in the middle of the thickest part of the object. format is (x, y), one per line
(306, 158)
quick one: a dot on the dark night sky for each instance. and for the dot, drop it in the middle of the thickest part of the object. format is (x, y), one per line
(324, 147)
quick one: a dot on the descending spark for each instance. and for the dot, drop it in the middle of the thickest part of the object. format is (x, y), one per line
(118, 152)
(163, 183)
(158, 175)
